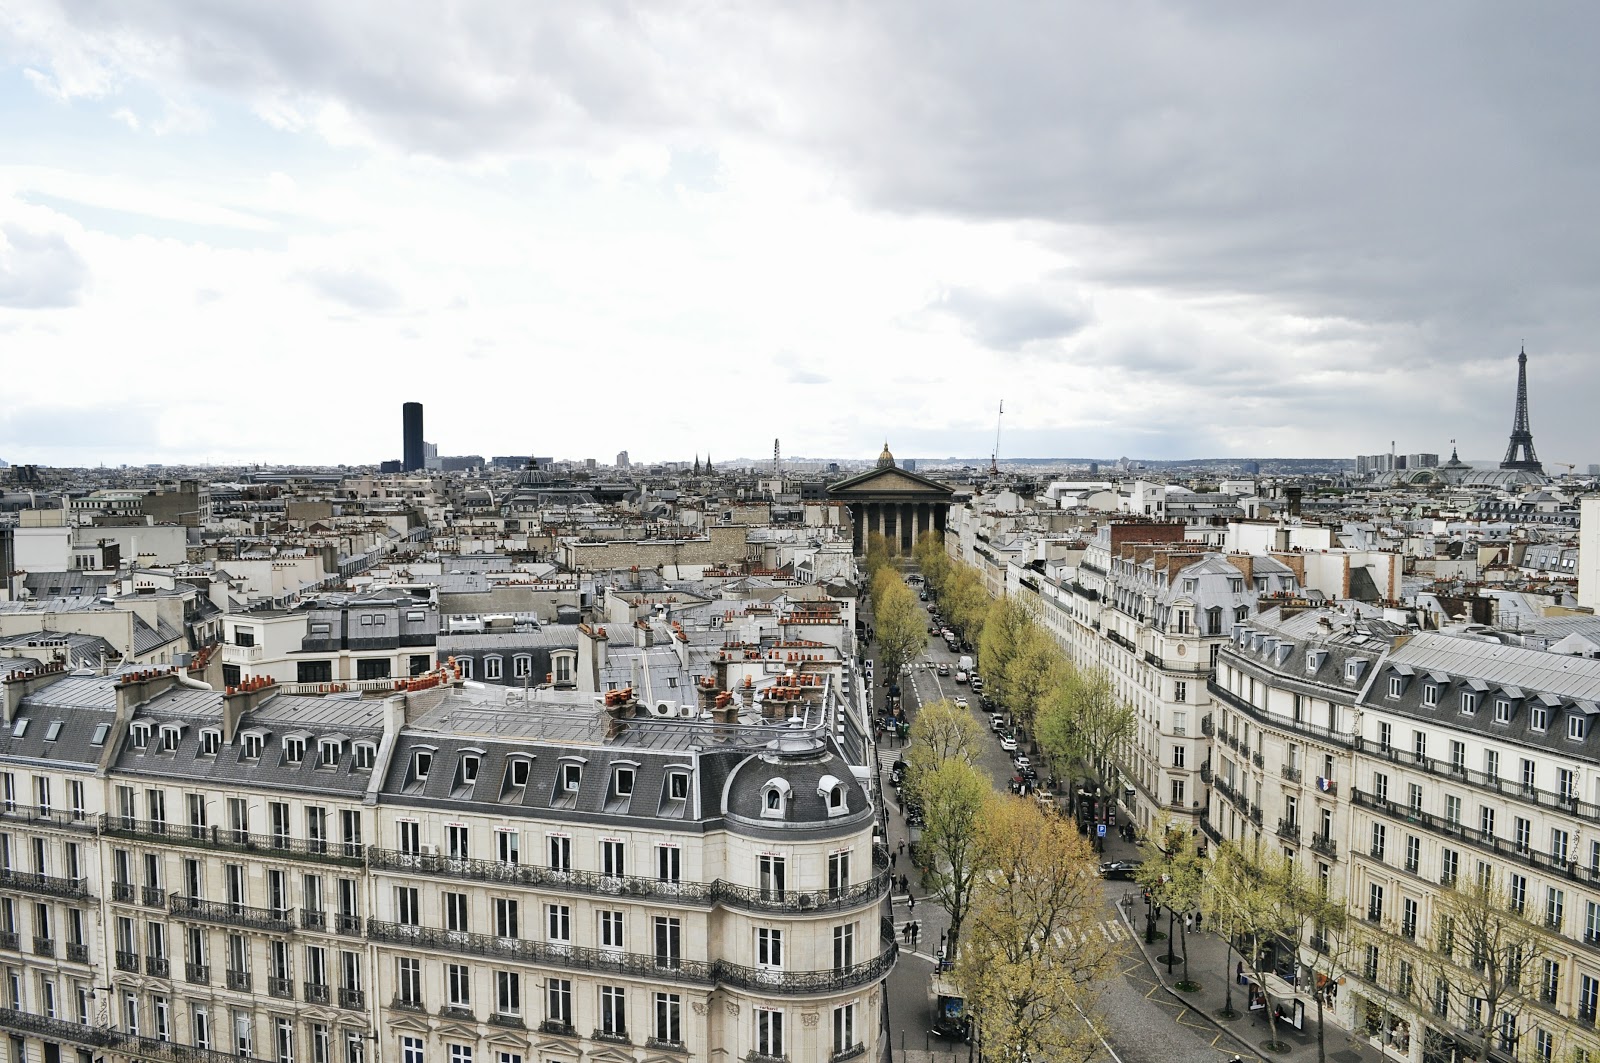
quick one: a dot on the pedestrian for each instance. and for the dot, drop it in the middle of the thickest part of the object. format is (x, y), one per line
(911, 902)
(1197, 917)
(1238, 973)
(902, 847)
(905, 884)
(916, 932)
(906, 933)
(1188, 922)
(893, 859)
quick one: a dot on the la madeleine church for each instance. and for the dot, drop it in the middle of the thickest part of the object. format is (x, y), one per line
(895, 503)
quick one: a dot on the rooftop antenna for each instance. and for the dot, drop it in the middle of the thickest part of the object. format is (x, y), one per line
(994, 458)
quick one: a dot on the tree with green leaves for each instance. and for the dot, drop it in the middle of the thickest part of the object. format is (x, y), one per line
(1244, 898)
(932, 561)
(877, 556)
(953, 795)
(1084, 720)
(1174, 871)
(966, 602)
(1032, 961)
(942, 731)
(898, 621)
(1326, 947)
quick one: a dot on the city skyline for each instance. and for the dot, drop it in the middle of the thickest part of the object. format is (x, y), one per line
(1160, 235)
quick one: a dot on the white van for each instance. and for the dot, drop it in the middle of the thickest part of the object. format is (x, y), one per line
(965, 663)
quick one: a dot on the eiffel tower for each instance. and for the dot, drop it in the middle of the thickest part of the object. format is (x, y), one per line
(1519, 455)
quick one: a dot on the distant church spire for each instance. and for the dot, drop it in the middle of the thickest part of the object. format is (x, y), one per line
(697, 465)
(708, 463)
(1519, 454)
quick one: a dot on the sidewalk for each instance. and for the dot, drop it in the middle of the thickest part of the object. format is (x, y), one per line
(1213, 965)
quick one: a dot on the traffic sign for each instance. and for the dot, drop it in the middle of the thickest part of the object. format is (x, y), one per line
(1100, 830)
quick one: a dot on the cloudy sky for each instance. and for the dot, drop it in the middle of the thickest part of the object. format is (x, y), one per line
(247, 231)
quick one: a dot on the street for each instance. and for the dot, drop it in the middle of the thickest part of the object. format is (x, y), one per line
(1138, 1019)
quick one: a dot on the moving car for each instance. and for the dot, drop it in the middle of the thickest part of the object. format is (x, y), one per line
(961, 677)
(961, 703)
(1124, 869)
(944, 669)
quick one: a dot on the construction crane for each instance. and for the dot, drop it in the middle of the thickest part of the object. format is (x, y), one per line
(994, 458)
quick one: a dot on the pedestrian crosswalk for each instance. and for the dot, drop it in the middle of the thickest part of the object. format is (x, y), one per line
(887, 757)
(1111, 930)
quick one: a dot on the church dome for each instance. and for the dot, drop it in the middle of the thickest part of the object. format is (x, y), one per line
(886, 459)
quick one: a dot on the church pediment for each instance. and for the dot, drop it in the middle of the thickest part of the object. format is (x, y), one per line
(878, 482)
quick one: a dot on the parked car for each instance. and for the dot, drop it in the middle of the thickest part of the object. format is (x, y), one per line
(961, 677)
(961, 703)
(1124, 869)
(1008, 743)
(1021, 761)
(976, 681)
(996, 724)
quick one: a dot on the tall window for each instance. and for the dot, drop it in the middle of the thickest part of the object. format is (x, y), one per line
(613, 1011)
(507, 993)
(408, 975)
(558, 923)
(844, 946)
(838, 873)
(506, 923)
(769, 1032)
(844, 1028)
(411, 1050)
(772, 875)
(610, 929)
(769, 947)
(669, 1018)
(558, 1001)
(458, 985)
(668, 933)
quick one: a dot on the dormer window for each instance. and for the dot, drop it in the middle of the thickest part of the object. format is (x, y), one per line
(1577, 727)
(517, 772)
(469, 769)
(678, 786)
(252, 747)
(138, 734)
(100, 732)
(774, 799)
(491, 667)
(1502, 710)
(170, 733)
(571, 777)
(294, 750)
(831, 790)
(53, 732)
(623, 784)
(328, 754)
(366, 756)
(1539, 718)
(422, 764)
(1430, 695)
(210, 742)
(1397, 686)
(1469, 703)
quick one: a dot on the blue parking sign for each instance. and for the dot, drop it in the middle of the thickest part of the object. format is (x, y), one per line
(1100, 830)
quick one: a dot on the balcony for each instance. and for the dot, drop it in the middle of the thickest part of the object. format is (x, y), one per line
(77, 953)
(239, 980)
(76, 821)
(558, 1027)
(45, 947)
(1207, 726)
(152, 897)
(1283, 723)
(315, 992)
(8, 940)
(616, 1037)
(197, 973)
(122, 892)
(352, 999)
(857, 1049)
(1289, 830)
(510, 1022)
(128, 961)
(274, 846)
(1257, 760)
(149, 1048)
(232, 654)
(313, 920)
(407, 1004)
(55, 1029)
(45, 885)
(229, 914)
(642, 965)
(157, 966)
(661, 1045)
(1290, 774)
(728, 894)
(1324, 844)
(344, 923)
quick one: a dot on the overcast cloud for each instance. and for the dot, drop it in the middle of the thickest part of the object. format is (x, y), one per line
(1155, 230)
